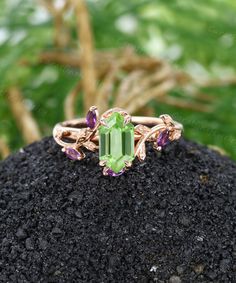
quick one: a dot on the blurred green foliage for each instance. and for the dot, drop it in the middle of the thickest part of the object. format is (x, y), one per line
(196, 36)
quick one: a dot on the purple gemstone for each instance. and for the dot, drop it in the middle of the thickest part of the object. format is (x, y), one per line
(113, 174)
(163, 138)
(91, 119)
(72, 153)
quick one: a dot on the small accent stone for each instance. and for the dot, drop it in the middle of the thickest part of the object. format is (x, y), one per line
(91, 119)
(163, 138)
(72, 153)
(113, 174)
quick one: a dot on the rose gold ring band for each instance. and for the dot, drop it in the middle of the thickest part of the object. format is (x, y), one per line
(81, 133)
(75, 128)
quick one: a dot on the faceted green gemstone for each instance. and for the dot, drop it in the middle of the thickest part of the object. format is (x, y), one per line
(116, 142)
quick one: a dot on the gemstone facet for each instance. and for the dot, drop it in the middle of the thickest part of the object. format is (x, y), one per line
(72, 153)
(163, 138)
(116, 142)
(91, 119)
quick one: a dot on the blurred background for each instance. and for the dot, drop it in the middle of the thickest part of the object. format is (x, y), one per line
(148, 56)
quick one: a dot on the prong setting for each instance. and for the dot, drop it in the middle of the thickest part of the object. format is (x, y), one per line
(102, 163)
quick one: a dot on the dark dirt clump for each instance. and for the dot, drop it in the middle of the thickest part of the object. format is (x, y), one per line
(169, 219)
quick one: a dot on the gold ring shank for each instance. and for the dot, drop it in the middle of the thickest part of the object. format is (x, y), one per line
(146, 121)
(69, 132)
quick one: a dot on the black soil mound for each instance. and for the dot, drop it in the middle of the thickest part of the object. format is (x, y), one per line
(169, 219)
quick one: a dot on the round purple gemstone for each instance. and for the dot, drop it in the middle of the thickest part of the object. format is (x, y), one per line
(72, 153)
(91, 119)
(163, 138)
(113, 174)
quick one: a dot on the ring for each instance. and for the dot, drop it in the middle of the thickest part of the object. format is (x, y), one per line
(118, 136)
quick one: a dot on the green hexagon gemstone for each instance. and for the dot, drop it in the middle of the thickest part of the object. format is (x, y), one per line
(116, 142)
